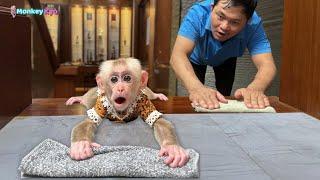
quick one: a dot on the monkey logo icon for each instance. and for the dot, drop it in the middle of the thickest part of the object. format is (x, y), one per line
(13, 11)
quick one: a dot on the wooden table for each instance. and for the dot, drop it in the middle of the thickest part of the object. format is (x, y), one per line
(176, 104)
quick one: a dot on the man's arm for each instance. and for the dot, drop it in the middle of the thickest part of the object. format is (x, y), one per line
(181, 64)
(253, 95)
(198, 93)
(266, 71)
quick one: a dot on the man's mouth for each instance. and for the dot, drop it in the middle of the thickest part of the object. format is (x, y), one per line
(120, 100)
(221, 33)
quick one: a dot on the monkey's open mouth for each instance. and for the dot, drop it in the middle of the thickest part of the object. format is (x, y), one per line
(120, 100)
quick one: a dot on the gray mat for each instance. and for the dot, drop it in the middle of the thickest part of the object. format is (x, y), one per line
(241, 146)
(51, 159)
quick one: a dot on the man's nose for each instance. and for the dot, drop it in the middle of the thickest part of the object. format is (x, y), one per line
(225, 25)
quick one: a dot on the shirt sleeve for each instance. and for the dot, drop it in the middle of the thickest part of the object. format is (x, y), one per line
(259, 43)
(147, 111)
(97, 112)
(190, 26)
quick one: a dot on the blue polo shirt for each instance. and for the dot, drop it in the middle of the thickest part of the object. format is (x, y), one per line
(196, 26)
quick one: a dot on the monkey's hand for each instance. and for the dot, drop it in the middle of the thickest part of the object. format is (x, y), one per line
(176, 155)
(82, 150)
(160, 96)
(76, 99)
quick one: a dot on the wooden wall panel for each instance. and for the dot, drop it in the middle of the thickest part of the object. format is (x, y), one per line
(163, 34)
(300, 68)
(8, 3)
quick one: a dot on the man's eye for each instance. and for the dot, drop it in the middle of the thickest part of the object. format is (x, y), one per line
(220, 17)
(114, 79)
(127, 78)
(234, 22)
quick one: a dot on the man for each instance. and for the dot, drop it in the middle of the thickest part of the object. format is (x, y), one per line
(215, 33)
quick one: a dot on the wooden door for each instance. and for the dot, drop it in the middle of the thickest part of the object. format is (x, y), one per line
(15, 68)
(300, 67)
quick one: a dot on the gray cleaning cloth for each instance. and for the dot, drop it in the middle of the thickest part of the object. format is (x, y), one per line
(234, 106)
(51, 159)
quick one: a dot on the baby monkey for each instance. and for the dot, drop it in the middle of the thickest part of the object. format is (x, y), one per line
(121, 99)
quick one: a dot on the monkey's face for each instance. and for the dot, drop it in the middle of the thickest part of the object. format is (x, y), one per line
(124, 87)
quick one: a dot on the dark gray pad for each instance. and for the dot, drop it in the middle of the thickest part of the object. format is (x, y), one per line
(240, 146)
(51, 159)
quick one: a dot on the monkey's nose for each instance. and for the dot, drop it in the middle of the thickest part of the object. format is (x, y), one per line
(120, 89)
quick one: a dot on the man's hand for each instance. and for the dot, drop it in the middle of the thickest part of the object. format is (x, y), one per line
(252, 98)
(176, 155)
(82, 150)
(206, 97)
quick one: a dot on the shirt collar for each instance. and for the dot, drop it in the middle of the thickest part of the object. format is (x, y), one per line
(208, 22)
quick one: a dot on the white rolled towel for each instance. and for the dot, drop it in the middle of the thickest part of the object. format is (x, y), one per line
(234, 106)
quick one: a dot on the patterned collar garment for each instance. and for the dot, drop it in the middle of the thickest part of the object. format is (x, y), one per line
(141, 106)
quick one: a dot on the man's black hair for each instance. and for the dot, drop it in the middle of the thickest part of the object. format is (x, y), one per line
(248, 5)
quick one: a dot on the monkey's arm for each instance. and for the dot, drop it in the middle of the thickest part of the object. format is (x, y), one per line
(164, 132)
(167, 139)
(147, 91)
(84, 131)
(87, 100)
(82, 135)
(152, 95)
(163, 129)
(90, 97)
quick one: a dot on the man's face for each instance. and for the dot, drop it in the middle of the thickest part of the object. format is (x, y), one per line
(226, 22)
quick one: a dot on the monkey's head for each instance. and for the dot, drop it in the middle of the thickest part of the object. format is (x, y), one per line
(121, 80)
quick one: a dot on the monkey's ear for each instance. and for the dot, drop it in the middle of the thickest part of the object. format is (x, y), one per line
(144, 79)
(100, 84)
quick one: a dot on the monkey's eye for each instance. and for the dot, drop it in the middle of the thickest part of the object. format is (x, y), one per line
(127, 78)
(114, 79)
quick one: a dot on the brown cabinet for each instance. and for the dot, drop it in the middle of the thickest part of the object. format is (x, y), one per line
(15, 68)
